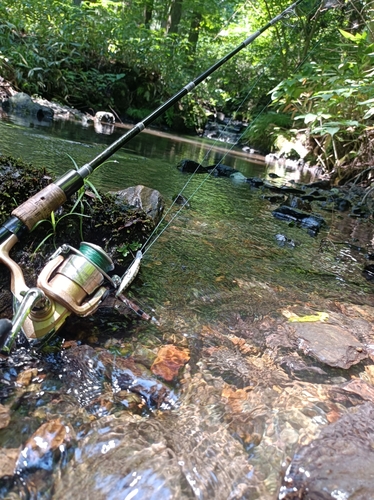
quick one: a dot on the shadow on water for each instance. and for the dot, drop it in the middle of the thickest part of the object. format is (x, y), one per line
(96, 420)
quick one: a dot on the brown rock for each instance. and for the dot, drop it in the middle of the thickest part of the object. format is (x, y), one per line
(8, 459)
(51, 436)
(330, 344)
(25, 377)
(361, 388)
(338, 464)
(169, 360)
(4, 416)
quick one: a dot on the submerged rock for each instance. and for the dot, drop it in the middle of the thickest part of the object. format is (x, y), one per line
(330, 344)
(255, 182)
(338, 464)
(238, 177)
(322, 184)
(87, 370)
(8, 460)
(299, 203)
(274, 198)
(169, 360)
(46, 447)
(368, 272)
(221, 170)
(283, 241)
(179, 199)
(309, 221)
(283, 189)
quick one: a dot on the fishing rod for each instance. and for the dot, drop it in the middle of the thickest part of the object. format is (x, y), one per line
(76, 280)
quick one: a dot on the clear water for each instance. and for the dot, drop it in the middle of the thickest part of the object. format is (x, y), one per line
(219, 283)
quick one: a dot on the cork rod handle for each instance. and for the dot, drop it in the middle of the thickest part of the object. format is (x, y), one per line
(40, 206)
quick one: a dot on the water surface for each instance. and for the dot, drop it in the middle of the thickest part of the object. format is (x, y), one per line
(219, 284)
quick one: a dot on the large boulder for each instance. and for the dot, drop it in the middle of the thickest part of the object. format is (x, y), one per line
(22, 104)
(143, 198)
(338, 464)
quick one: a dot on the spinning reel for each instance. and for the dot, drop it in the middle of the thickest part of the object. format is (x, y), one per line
(74, 281)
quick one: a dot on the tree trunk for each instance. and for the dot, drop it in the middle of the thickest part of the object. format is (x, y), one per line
(194, 30)
(175, 16)
(148, 12)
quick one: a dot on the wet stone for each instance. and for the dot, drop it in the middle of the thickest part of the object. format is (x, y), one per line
(87, 369)
(329, 344)
(301, 369)
(8, 459)
(338, 464)
(313, 223)
(143, 198)
(360, 387)
(220, 170)
(169, 360)
(4, 416)
(272, 198)
(144, 356)
(256, 182)
(191, 167)
(45, 447)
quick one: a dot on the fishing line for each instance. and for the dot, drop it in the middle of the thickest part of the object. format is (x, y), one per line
(231, 18)
(147, 246)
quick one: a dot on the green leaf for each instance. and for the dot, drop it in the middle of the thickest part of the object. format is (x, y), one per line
(326, 130)
(354, 38)
(310, 117)
(369, 113)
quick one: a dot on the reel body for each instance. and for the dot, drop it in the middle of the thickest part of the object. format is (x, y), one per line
(72, 282)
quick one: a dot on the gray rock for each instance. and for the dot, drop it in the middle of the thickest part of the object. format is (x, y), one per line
(330, 344)
(22, 104)
(144, 198)
(63, 112)
(339, 464)
(238, 177)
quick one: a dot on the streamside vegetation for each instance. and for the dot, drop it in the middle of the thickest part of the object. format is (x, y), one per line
(311, 74)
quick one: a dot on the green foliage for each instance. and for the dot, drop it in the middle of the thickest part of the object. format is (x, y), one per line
(53, 222)
(79, 204)
(104, 54)
(333, 99)
(128, 248)
(264, 130)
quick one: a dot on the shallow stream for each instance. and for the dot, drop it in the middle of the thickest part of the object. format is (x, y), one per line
(224, 292)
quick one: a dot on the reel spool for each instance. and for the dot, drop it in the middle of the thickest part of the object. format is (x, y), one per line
(75, 281)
